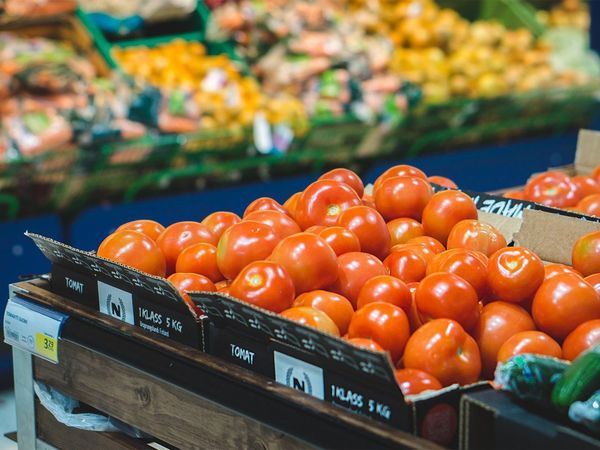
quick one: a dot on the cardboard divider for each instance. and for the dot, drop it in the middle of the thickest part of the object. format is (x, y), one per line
(587, 155)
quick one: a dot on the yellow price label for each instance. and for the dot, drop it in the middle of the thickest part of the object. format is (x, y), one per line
(46, 346)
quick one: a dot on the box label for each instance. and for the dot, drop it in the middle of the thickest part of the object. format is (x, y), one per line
(299, 374)
(115, 302)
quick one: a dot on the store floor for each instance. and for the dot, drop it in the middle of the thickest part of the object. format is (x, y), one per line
(8, 420)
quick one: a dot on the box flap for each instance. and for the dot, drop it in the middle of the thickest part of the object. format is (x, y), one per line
(499, 205)
(587, 156)
(508, 226)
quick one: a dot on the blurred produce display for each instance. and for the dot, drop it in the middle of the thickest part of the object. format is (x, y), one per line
(24, 8)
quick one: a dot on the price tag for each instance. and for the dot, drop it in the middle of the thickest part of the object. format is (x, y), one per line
(33, 328)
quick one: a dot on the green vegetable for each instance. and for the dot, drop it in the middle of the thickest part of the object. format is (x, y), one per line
(36, 122)
(579, 381)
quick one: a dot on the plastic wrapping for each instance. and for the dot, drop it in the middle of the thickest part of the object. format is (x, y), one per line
(587, 412)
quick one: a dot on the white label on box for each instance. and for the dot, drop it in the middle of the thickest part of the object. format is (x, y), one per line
(115, 302)
(33, 328)
(299, 374)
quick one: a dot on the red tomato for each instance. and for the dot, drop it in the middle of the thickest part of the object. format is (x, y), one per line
(432, 244)
(383, 322)
(594, 280)
(443, 349)
(282, 224)
(498, 322)
(516, 195)
(402, 197)
(223, 286)
(336, 306)
(201, 259)
(190, 282)
(340, 239)
(406, 265)
(370, 229)
(586, 254)
(444, 210)
(316, 229)
(590, 205)
(551, 270)
(476, 235)
(447, 296)
(552, 189)
(403, 229)
(345, 176)
(413, 313)
(442, 181)
(564, 302)
(242, 244)
(134, 249)
(150, 228)
(534, 342)
(354, 269)
(385, 288)
(464, 263)
(596, 174)
(291, 203)
(414, 381)
(219, 221)
(323, 201)
(264, 204)
(514, 274)
(423, 251)
(311, 317)
(402, 170)
(308, 259)
(180, 235)
(368, 200)
(582, 338)
(369, 344)
(585, 185)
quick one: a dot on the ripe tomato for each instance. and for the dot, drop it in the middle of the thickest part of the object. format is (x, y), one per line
(383, 322)
(406, 264)
(442, 181)
(402, 170)
(242, 244)
(315, 229)
(564, 302)
(311, 317)
(413, 314)
(264, 284)
(414, 381)
(432, 244)
(585, 185)
(370, 229)
(308, 259)
(340, 239)
(337, 307)
(369, 344)
(219, 221)
(422, 250)
(323, 201)
(447, 296)
(444, 210)
(590, 205)
(443, 349)
(534, 342)
(353, 270)
(150, 228)
(403, 229)
(345, 176)
(264, 204)
(586, 254)
(514, 274)
(223, 286)
(464, 263)
(552, 189)
(402, 197)
(282, 224)
(551, 270)
(476, 235)
(368, 200)
(290, 204)
(134, 249)
(583, 337)
(498, 321)
(516, 195)
(190, 282)
(201, 259)
(180, 235)
(594, 280)
(596, 174)
(385, 288)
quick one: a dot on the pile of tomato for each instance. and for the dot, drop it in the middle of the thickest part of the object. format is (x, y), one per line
(398, 268)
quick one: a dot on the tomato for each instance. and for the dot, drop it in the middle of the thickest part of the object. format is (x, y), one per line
(316, 229)
(534, 342)
(336, 306)
(403, 229)
(180, 235)
(552, 189)
(308, 259)
(368, 200)
(370, 229)
(150, 228)
(442, 181)
(406, 265)
(201, 259)
(242, 244)
(402, 197)
(551, 270)
(443, 349)
(590, 205)
(369, 344)
(585, 185)
(383, 322)
(340, 239)
(190, 282)
(311, 317)
(476, 235)
(223, 286)
(422, 250)
(354, 269)
(516, 195)
(432, 244)
(345, 176)
(514, 274)
(498, 322)
(444, 210)
(282, 224)
(586, 254)
(413, 314)
(594, 280)
(464, 263)
(447, 296)
(134, 249)
(323, 201)
(596, 174)
(219, 221)
(385, 288)
(291, 203)
(583, 337)
(264, 204)
(402, 170)
(414, 381)
(564, 302)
